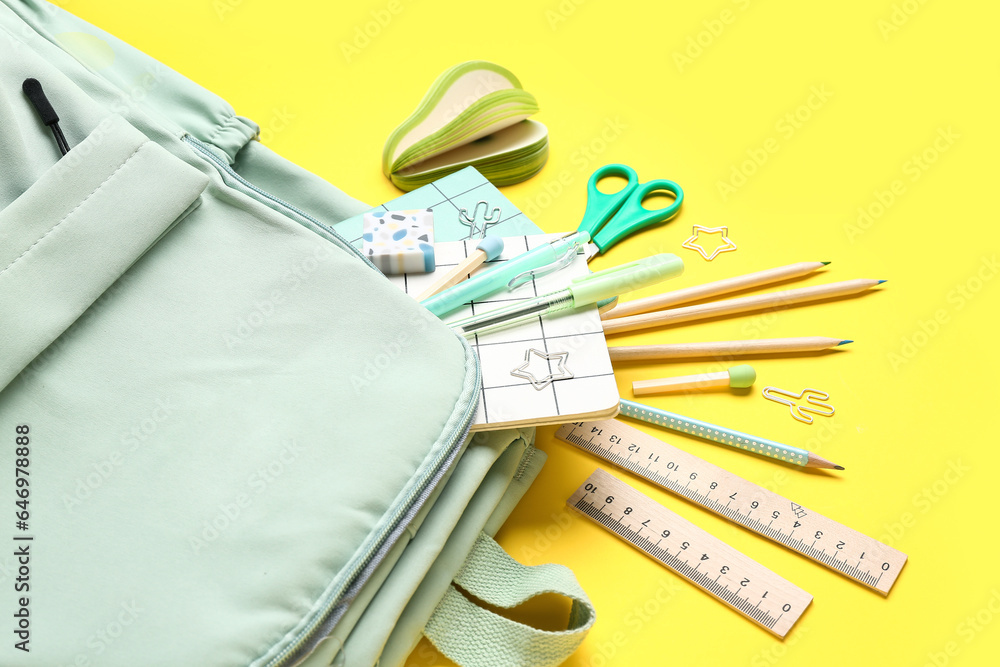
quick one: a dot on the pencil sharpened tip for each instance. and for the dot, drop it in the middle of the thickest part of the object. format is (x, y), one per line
(838, 467)
(845, 342)
(825, 263)
(882, 281)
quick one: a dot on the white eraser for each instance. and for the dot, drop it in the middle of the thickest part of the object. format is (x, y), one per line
(400, 241)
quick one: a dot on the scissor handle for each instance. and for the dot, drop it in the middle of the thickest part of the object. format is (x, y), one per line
(633, 216)
(601, 207)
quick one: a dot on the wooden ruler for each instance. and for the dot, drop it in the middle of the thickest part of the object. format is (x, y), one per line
(704, 560)
(853, 554)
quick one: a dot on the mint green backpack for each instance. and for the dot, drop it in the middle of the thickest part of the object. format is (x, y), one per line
(191, 477)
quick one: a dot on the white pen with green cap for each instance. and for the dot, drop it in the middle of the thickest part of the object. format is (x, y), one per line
(580, 291)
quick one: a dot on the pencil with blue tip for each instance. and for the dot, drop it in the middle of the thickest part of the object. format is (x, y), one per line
(725, 349)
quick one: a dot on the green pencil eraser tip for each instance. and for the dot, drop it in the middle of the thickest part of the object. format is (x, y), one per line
(845, 342)
(605, 305)
(742, 376)
(882, 281)
(825, 263)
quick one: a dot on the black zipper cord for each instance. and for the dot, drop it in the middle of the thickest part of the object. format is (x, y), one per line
(33, 89)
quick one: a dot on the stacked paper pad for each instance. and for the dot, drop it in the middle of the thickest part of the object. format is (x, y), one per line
(474, 114)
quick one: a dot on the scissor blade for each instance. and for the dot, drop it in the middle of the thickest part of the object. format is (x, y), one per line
(590, 250)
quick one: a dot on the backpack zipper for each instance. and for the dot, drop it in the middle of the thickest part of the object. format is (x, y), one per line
(33, 91)
(406, 510)
(404, 513)
(249, 188)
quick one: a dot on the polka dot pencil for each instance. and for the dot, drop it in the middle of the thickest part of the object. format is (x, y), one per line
(724, 436)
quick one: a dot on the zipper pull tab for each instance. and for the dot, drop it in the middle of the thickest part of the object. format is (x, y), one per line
(33, 90)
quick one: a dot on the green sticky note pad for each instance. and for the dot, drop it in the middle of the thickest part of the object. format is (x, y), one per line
(475, 114)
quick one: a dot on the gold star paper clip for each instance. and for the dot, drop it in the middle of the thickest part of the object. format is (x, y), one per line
(692, 242)
(539, 383)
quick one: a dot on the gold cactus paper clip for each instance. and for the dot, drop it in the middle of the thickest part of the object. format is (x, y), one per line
(813, 397)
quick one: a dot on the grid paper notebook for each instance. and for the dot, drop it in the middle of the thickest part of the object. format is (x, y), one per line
(507, 400)
(512, 400)
(447, 196)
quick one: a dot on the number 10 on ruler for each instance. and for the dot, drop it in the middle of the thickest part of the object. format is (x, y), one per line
(824, 540)
(704, 560)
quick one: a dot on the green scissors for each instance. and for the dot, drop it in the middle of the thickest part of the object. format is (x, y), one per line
(609, 218)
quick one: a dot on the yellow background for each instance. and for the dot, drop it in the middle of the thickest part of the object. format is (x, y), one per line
(895, 76)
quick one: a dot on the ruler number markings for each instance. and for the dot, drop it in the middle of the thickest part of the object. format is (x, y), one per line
(824, 540)
(712, 565)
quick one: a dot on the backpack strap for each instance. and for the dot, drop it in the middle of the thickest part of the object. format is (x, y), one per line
(473, 636)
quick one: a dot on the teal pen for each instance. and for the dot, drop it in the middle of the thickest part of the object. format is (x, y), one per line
(506, 274)
(580, 291)
(725, 436)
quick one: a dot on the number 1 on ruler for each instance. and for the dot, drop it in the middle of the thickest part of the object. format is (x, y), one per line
(775, 517)
(704, 560)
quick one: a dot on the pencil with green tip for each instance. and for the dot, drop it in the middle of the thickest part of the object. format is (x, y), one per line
(712, 289)
(725, 436)
(737, 377)
(746, 304)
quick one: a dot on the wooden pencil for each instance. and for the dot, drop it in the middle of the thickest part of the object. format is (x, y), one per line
(456, 275)
(738, 377)
(725, 436)
(745, 304)
(723, 349)
(488, 249)
(716, 288)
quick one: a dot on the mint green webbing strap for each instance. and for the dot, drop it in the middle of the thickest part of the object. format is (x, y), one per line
(473, 636)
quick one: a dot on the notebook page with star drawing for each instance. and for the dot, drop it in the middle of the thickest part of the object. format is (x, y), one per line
(548, 370)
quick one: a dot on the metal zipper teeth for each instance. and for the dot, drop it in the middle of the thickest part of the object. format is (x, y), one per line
(223, 166)
(290, 653)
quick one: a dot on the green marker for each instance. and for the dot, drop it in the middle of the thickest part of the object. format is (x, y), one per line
(581, 291)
